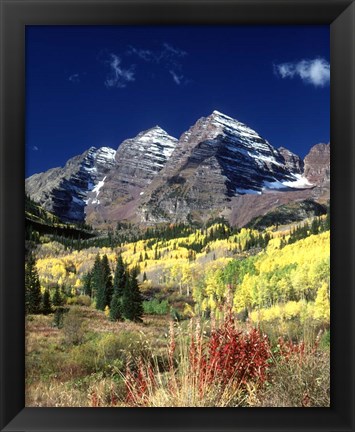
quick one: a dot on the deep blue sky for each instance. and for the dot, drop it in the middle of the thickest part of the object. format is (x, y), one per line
(96, 86)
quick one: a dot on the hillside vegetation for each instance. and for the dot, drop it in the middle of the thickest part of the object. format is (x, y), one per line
(197, 288)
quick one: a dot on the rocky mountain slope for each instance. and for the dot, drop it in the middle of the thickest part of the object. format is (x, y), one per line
(216, 160)
(138, 161)
(64, 191)
(219, 167)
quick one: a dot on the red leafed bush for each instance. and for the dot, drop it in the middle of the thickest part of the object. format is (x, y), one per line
(227, 360)
(232, 354)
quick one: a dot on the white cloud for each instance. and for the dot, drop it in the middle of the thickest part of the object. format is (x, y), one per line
(175, 51)
(315, 72)
(35, 148)
(144, 54)
(74, 78)
(178, 79)
(118, 76)
(166, 57)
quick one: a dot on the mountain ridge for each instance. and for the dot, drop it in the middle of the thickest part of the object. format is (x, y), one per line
(210, 171)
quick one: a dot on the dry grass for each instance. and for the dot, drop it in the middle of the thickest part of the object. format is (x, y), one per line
(92, 373)
(301, 381)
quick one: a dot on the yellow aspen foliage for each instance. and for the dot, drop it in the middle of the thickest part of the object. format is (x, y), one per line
(322, 304)
(107, 311)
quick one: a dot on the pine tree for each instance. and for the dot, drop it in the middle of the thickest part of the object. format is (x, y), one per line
(57, 298)
(116, 308)
(95, 276)
(87, 284)
(119, 280)
(98, 284)
(108, 280)
(132, 302)
(33, 297)
(46, 303)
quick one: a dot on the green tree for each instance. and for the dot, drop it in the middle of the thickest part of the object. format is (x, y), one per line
(132, 302)
(98, 284)
(87, 284)
(119, 280)
(46, 303)
(116, 308)
(57, 298)
(33, 297)
(107, 280)
(96, 276)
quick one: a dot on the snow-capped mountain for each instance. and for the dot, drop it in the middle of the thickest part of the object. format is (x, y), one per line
(217, 159)
(64, 191)
(138, 161)
(214, 169)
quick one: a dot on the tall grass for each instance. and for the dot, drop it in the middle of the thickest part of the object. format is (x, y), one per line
(201, 371)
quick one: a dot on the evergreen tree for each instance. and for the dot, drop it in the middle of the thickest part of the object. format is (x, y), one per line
(33, 297)
(46, 303)
(98, 284)
(57, 298)
(144, 276)
(87, 284)
(132, 302)
(119, 280)
(108, 280)
(58, 317)
(116, 307)
(314, 226)
(119, 283)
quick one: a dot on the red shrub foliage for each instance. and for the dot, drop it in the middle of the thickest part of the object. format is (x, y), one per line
(228, 357)
(241, 356)
(287, 349)
(230, 354)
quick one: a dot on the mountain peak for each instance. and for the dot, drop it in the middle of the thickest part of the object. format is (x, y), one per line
(217, 113)
(155, 129)
(155, 133)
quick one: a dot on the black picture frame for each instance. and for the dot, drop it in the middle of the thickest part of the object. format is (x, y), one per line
(15, 15)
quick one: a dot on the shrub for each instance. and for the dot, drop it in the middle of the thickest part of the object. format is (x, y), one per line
(73, 326)
(156, 307)
(233, 354)
(81, 300)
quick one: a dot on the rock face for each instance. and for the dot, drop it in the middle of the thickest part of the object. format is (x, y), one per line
(317, 165)
(216, 159)
(64, 191)
(219, 167)
(292, 161)
(138, 161)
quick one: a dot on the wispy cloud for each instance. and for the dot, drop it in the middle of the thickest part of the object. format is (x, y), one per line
(35, 148)
(75, 78)
(167, 56)
(167, 48)
(178, 79)
(315, 72)
(118, 76)
(144, 54)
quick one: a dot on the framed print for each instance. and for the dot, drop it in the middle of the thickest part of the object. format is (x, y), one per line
(186, 246)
